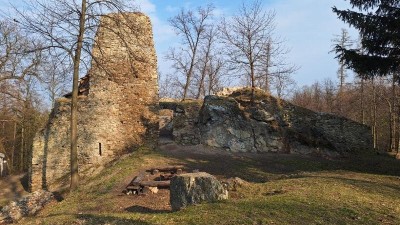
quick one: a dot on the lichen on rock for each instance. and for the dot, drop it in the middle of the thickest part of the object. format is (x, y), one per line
(237, 124)
(195, 188)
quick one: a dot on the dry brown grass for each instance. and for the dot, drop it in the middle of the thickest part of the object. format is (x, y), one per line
(282, 189)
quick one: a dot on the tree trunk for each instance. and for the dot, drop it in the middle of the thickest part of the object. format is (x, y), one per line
(393, 124)
(201, 87)
(13, 147)
(74, 102)
(397, 137)
(210, 83)
(201, 84)
(267, 66)
(253, 86)
(362, 102)
(186, 87)
(189, 74)
(21, 153)
(374, 108)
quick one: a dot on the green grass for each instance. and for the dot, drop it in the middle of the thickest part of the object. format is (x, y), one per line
(283, 190)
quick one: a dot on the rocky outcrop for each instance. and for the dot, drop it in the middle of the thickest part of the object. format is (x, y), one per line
(117, 108)
(194, 188)
(271, 125)
(26, 206)
(182, 119)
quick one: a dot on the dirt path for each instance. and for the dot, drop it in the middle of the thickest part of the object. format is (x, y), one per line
(11, 189)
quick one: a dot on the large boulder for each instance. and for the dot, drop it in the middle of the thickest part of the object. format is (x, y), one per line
(225, 123)
(194, 188)
(266, 124)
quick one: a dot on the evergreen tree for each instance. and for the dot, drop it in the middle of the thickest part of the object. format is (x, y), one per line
(378, 22)
(344, 41)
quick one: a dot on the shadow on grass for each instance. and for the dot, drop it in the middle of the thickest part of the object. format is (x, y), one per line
(367, 186)
(263, 167)
(303, 213)
(142, 209)
(87, 219)
(90, 219)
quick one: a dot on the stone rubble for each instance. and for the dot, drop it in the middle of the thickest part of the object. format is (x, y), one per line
(26, 206)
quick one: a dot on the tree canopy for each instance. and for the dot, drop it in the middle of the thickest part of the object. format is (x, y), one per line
(378, 22)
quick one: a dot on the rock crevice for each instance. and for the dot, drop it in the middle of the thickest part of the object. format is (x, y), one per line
(236, 124)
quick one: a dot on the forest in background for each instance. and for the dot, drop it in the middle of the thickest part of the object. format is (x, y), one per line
(209, 57)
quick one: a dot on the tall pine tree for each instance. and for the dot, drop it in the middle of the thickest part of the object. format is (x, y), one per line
(378, 22)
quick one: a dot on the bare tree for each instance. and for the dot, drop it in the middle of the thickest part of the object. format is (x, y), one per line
(29, 117)
(54, 75)
(210, 66)
(367, 101)
(329, 92)
(245, 37)
(216, 78)
(192, 28)
(204, 60)
(283, 83)
(169, 86)
(17, 60)
(19, 74)
(67, 29)
(276, 71)
(387, 93)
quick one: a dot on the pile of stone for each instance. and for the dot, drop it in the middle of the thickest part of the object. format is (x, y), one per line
(26, 206)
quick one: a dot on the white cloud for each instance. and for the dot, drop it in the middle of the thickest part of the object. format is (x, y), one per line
(162, 30)
(218, 12)
(171, 9)
(163, 33)
(146, 6)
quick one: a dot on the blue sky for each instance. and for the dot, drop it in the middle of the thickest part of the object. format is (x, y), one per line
(308, 26)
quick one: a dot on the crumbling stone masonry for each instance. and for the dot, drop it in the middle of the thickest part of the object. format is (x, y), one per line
(118, 104)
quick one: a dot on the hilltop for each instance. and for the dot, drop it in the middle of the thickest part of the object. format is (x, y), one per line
(280, 189)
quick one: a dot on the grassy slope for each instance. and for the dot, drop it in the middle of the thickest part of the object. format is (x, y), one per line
(299, 190)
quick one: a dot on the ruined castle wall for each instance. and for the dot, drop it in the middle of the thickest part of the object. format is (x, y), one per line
(120, 111)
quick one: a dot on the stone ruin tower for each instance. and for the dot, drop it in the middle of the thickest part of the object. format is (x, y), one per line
(118, 104)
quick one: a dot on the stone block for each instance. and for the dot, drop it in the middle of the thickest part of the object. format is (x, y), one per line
(194, 188)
